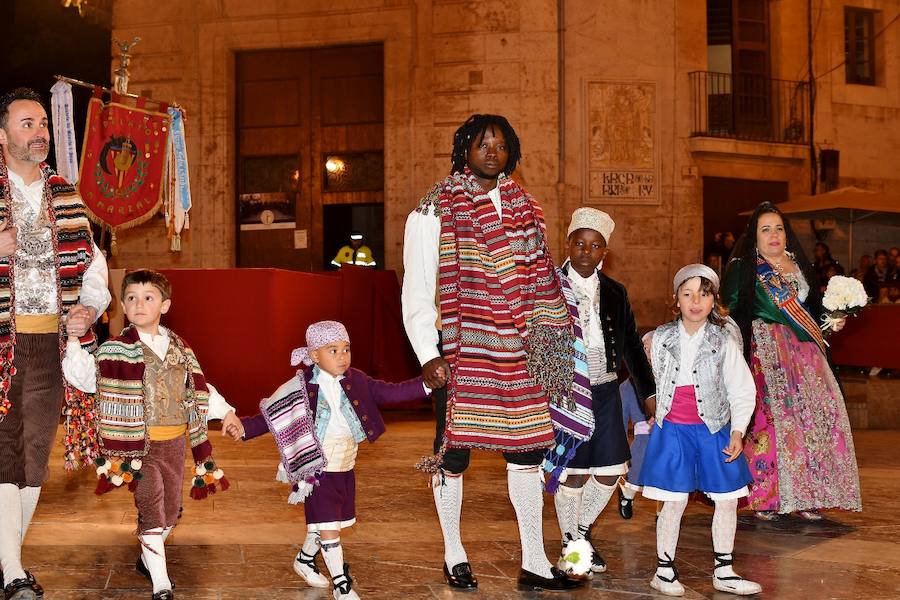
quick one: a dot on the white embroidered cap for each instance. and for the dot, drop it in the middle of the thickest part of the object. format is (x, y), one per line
(694, 270)
(591, 218)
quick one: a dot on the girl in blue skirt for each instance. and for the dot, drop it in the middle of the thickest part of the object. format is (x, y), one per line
(705, 399)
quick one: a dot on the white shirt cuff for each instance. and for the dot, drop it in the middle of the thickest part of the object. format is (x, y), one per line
(79, 367)
(218, 407)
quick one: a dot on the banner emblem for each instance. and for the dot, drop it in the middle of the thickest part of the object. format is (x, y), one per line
(123, 162)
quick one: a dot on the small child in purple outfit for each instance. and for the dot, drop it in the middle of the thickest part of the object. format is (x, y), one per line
(318, 419)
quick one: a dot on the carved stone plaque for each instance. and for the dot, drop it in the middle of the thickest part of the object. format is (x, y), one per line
(622, 145)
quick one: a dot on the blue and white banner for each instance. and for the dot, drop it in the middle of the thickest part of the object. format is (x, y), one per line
(178, 182)
(64, 131)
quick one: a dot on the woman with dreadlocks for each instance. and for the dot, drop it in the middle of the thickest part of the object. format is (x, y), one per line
(799, 444)
(505, 351)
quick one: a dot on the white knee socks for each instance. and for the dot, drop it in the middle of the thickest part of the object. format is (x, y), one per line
(333, 554)
(568, 507)
(594, 499)
(30, 496)
(724, 525)
(527, 496)
(668, 526)
(11, 532)
(311, 544)
(153, 553)
(448, 493)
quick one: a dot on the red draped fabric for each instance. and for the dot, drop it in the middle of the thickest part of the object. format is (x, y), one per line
(871, 339)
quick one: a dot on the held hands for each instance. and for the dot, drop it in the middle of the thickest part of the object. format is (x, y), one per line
(735, 448)
(7, 238)
(839, 324)
(650, 407)
(232, 427)
(435, 373)
(79, 319)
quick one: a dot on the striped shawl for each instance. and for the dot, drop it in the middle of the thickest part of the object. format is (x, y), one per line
(573, 421)
(292, 423)
(506, 332)
(122, 431)
(72, 241)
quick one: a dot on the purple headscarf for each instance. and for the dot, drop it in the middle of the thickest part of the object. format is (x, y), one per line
(318, 335)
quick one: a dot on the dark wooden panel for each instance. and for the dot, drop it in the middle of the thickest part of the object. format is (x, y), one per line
(266, 141)
(349, 60)
(718, 22)
(270, 64)
(347, 100)
(270, 103)
(351, 138)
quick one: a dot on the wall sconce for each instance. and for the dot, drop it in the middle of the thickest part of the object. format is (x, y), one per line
(77, 4)
(335, 165)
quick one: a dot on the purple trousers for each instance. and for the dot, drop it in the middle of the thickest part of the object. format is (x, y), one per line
(332, 504)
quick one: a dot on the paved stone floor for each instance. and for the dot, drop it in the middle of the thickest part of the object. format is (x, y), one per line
(240, 544)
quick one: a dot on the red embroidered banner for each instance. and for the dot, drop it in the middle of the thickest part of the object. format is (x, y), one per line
(123, 162)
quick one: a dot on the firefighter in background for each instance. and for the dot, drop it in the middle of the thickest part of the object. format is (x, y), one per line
(356, 253)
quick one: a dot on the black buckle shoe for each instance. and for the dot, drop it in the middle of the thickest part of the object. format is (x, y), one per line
(626, 506)
(461, 576)
(164, 595)
(22, 589)
(34, 584)
(559, 582)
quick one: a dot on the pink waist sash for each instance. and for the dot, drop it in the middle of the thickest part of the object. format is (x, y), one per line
(684, 407)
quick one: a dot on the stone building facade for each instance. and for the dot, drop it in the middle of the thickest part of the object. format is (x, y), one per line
(613, 102)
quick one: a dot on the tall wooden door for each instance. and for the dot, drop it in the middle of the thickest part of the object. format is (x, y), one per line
(310, 132)
(751, 69)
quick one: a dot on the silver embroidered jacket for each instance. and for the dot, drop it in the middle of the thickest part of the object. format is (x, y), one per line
(723, 384)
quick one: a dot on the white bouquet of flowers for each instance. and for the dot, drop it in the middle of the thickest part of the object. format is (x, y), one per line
(844, 297)
(576, 557)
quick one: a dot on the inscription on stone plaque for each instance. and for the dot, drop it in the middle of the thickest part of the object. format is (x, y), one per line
(622, 143)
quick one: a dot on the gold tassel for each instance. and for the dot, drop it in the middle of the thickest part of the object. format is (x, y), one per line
(113, 245)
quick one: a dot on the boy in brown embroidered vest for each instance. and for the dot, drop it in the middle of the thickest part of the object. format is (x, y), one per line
(151, 392)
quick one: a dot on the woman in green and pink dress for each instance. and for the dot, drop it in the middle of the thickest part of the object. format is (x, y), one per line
(799, 443)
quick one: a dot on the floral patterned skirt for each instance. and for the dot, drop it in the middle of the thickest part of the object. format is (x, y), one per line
(799, 446)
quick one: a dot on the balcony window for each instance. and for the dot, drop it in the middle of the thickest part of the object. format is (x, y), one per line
(859, 45)
(750, 107)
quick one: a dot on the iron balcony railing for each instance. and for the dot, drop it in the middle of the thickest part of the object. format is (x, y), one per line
(749, 107)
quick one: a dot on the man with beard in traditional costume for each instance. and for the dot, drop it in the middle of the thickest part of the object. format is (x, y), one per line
(51, 274)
